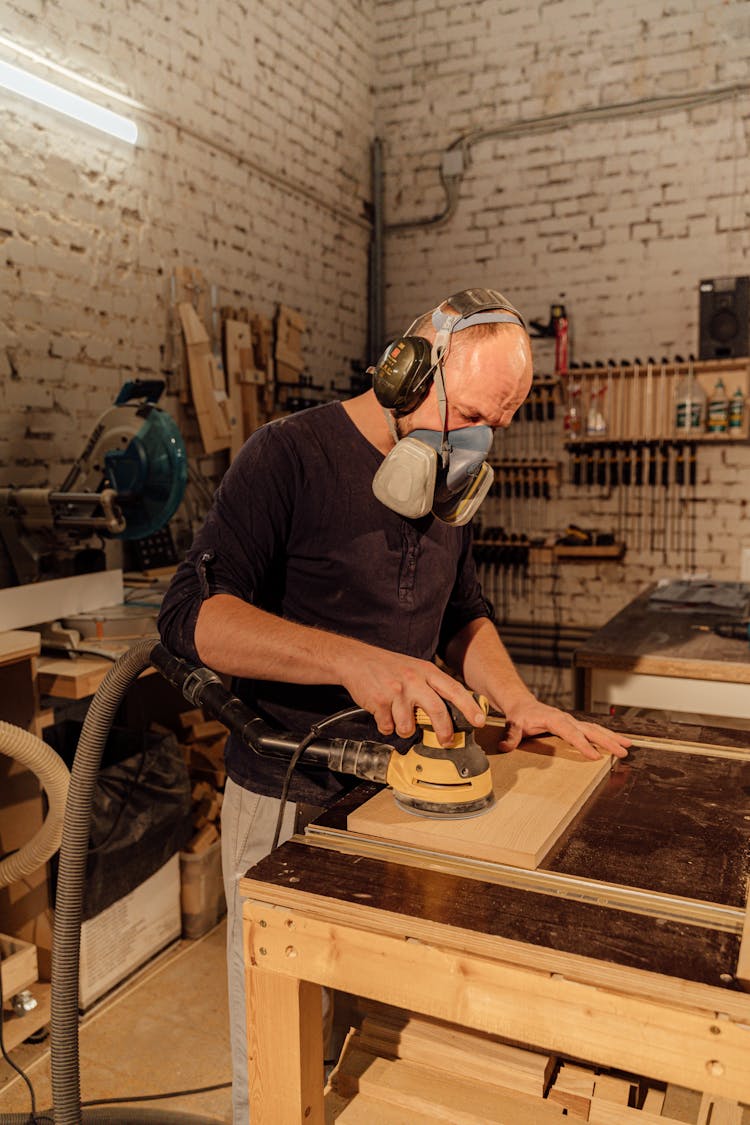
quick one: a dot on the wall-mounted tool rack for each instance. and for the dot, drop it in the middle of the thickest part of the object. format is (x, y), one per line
(532, 478)
(637, 401)
(533, 434)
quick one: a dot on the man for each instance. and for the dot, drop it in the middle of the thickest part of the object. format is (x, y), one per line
(336, 563)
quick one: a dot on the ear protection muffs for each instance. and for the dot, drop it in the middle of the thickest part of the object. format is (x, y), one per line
(402, 376)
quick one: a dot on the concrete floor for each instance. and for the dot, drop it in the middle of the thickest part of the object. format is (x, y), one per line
(165, 1029)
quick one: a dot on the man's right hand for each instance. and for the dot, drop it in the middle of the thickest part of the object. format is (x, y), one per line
(391, 686)
(238, 639)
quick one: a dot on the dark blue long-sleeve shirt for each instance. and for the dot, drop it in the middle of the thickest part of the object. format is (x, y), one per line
(296, 530)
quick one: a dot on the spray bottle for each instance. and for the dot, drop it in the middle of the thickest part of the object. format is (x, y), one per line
(736, 411)
(718, 409)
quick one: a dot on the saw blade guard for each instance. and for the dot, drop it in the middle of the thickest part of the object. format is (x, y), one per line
(149, 475)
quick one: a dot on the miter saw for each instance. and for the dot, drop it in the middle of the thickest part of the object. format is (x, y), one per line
(126, 484)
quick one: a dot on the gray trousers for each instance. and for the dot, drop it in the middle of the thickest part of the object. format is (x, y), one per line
(248, 823)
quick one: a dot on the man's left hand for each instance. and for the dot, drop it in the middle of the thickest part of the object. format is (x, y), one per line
(532, 717)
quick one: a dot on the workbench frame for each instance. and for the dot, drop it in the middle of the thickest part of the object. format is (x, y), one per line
(671, 1030)
(441, 936)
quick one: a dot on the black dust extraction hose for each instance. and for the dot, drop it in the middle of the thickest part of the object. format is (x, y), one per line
(203, 688)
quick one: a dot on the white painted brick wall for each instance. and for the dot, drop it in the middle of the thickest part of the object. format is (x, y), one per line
(624, 217)
(91, 229)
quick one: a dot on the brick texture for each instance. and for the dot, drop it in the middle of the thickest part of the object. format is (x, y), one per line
(90, 228)
(622, 216)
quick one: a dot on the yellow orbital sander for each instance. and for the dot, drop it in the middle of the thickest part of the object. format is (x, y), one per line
(443, 782)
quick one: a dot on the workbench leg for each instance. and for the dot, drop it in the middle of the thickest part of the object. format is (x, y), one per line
(581, 689)
(285, 1049)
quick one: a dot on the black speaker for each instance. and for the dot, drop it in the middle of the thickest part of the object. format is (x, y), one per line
(724, 318)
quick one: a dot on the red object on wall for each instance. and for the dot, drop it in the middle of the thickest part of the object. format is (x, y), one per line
(561, 346)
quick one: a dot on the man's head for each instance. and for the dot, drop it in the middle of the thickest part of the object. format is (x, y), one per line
(474, 344)
(446, 391)
(487, 370)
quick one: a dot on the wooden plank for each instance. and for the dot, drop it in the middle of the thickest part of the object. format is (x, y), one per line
(653, 1101)
(75, 679)
(16, 644)
(290, 325)
(209, 728)
(447, 1097)
(612, 1089)
(538, 791)
(19, 964)
(366, 1110)
(742, 973)
(206, 383)
(608, 1113)
(529, 1005)
(718, 1111)
(262, 347)
(681, 1102)
(573, 1089)
(71, 679)
(285, 1048)
(238, 350)
(467, 1054)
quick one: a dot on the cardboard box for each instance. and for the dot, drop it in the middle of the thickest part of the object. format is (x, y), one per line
(129, 932)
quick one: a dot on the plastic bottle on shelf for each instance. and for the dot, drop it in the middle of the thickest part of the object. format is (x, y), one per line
(736, 411)
(718, 409)
(690, 412)
(573, 420)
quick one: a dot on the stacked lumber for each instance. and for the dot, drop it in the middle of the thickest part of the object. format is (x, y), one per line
(249, 365)
(477, 1055)
(400, 1067)
(429, 1070)
(207, 384)
(202, 743)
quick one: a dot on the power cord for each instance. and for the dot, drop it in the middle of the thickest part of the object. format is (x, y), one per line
(45, 1119)
(157, 1097)
(312, 734)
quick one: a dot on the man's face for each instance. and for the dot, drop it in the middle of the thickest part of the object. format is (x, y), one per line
(486, 380)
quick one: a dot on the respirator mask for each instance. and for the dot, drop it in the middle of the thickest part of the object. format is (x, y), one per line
(440, 471)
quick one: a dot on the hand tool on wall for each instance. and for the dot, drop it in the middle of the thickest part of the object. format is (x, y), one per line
(693, 480)
(664, 467)
(679, 506)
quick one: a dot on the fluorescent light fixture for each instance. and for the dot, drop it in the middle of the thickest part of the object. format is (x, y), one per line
(22, 82)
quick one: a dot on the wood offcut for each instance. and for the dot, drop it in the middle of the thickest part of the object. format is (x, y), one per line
(538, 791)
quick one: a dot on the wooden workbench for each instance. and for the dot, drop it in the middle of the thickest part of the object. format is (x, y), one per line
(623, 949)
(651, 657)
